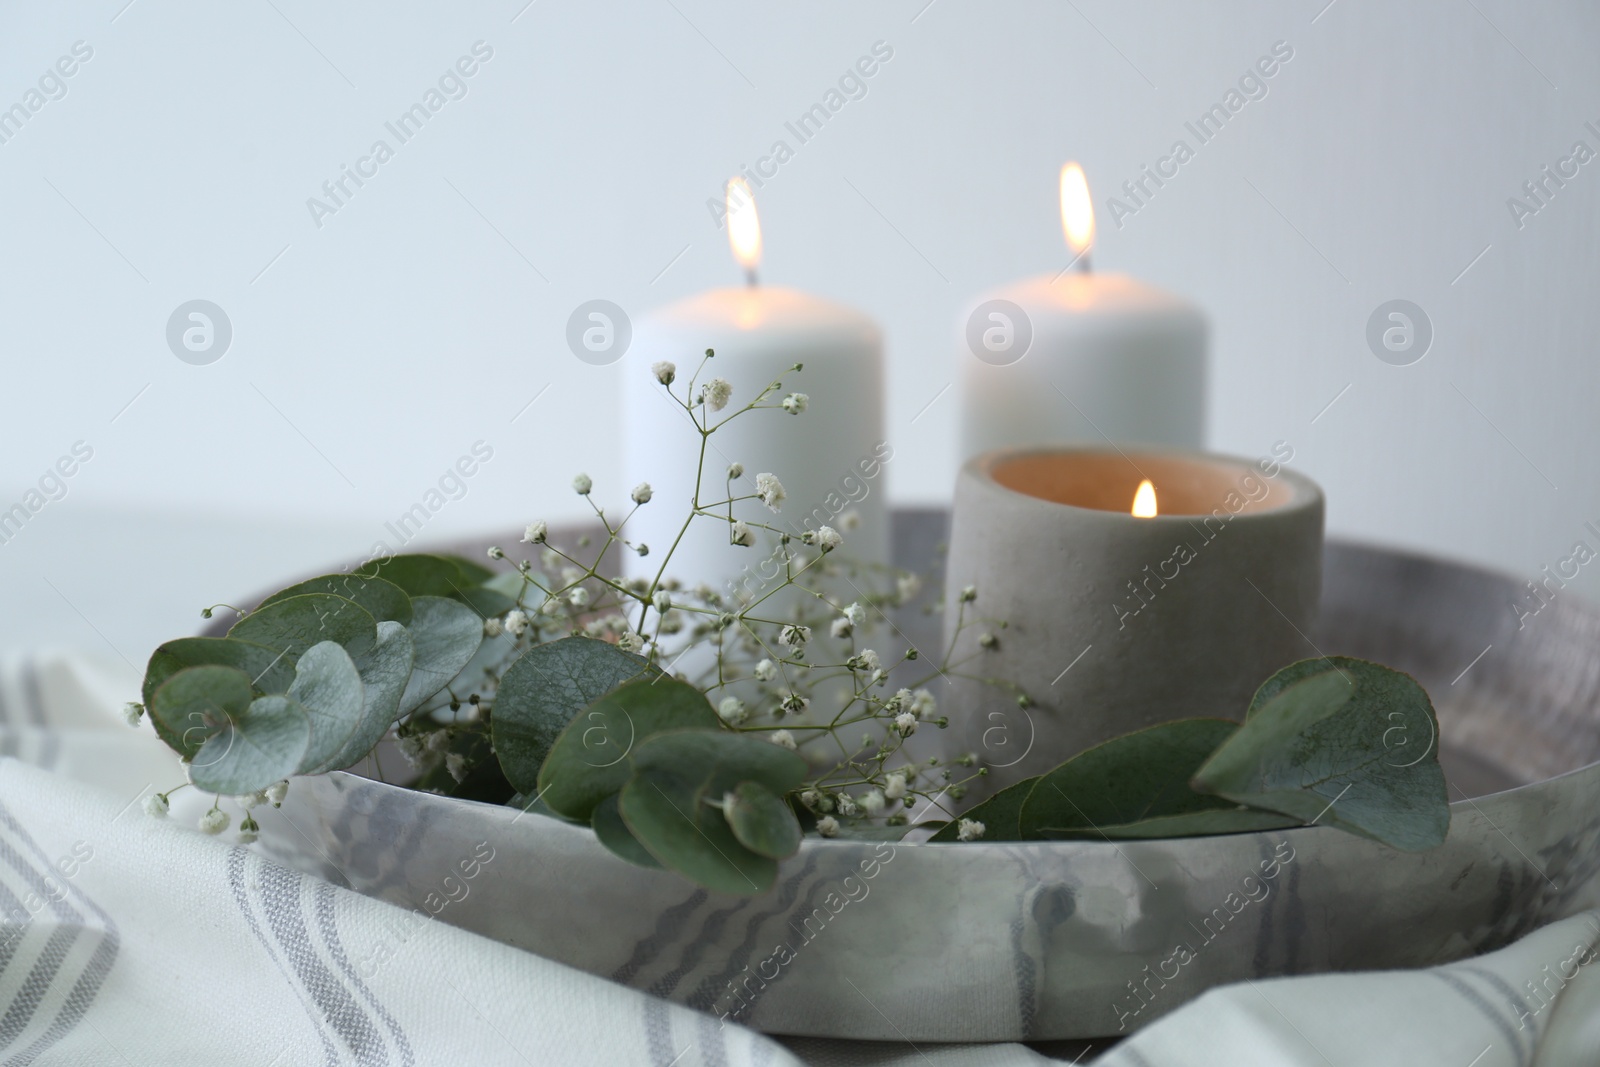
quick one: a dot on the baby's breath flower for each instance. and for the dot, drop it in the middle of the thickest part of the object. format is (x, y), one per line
(828, 826)
(809, 797)
(665, 371)
(715, 393)
(642, 493)
(922, 704)
(850, 521)
(157, 805)
(794, 703)
(732, 711)
(735, 471)
(771, 491)
(841, 627)
(412, 748)
(551, 606)
(661, 601)
(578, 597)
(794, 635)
(783, 739)
(856, 614)
(642, 548)
(847, 805)
(908, 586)
(905, 723)
(496, 552)
(516, 622)
(251, 800)
(630, 642)
(829, 538)
(988, 641)
(867, 660)
(214, 821)
(132, 712)
(969, 594)
(894, 787)
(872, 802)
(742, 535)
(766, 670)
(491, 627)
(456, 764)
(582, 484)
(970, 830)
(277, 791)
(249, 831)
(536, 532)
(795, 403)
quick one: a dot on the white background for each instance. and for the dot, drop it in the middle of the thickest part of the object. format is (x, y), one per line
(370, 353)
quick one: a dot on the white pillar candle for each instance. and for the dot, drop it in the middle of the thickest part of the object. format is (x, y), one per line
(832, 459)
(1082, 358)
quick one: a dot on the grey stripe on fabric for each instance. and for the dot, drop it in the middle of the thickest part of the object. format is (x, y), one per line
(1489, 1012)
(712, 1051)
(32, 696)
(330, 936)
(666, 929)
(27, 999)
(658, 1033)
(94, 972)
(739, 958)
(281, 902)
(237, 858)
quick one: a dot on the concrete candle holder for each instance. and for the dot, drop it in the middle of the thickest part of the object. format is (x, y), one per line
(1113, 621)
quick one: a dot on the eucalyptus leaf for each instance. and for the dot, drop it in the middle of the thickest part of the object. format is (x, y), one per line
(328, 687)
(384, 671)
(428, 575)
(723, 758)
(1320, 747)
(589, 760)
(1000, 815)
(484, 601)
(615, 835)
(444, 635)
(383, 600)
(194, 703)
(1137, 785)
(761, 820)
(269, 670)
(298, 622)
(261, 745)
(670, 816)
(541, 692)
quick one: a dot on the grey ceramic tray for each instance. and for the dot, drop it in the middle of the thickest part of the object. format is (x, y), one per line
(1061, 939)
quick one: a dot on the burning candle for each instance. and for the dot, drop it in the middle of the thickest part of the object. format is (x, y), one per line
(831, 459)
(1136, 588)
(1077, 357)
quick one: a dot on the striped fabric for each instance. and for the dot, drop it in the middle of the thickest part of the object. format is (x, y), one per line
(130, 940)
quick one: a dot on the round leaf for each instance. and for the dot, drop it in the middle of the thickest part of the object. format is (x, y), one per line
(298, 622)
(761, 821)
(670, 817)
(426, 575)
(383, 600)
(542, 691)
(723, 758)
(258, 746)
(384, 671)
(444, 635)
(196, 702)
(614, 834)
(328, 687)
(270, 671)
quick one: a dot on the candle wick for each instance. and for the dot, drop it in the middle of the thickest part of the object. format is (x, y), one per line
(750, 277)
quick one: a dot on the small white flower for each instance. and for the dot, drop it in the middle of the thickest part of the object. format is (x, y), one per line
(214, 821)
(894, 787)
(987, 641)
(156, 804)
(969, 593)
(437, 742)
(850, 521)
(735, 471)
(516, 623)
(795, 403)
(905, 723)
(847, 805)
(794, 635)
(770, 490)
(841, 627)
(970, 830)
(536, 532)
(582, 484)
(869, 660)
(277, 791)
(828, 826)
(809, 797)
(491, 627)
(742, 534)
(551, 606)
(908, 586)
(829, 538)
(732, 711)
(249, 833)
(872, 802)
(412, 748)
(132, 713)
(783, 739)
(794, 703)
(252, 800)
(715, 393)
(630, 642)
(579, 597)
(856, 614)
(661, 600)
(665, 371)
(922, 704)
(766, 670)
(496, 552)
(642, 493)
(456, 764)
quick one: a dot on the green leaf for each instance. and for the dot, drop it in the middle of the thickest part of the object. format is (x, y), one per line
(589, 760)
(1137, 785)
(270, 671)
(724, 758)
(1000, 815)
(484, 601)
(444, 635)
(670, 817)
(1321, 747)
(295, 624)
(428, 575)
(542, 691)
(257, 747)
(328, 687)
(384, 671)
(761, 821)
(615, 835)
(384, 600)
(194, 703)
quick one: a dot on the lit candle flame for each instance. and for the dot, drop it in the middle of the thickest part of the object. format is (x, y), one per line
(744, 227)
(1077, 210)
(1144, 501)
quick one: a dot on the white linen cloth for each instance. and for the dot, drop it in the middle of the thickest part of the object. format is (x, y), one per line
(126, 939)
